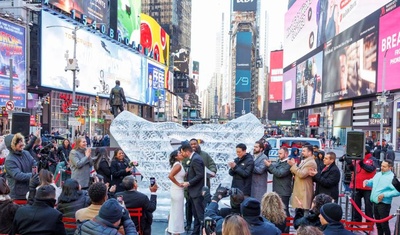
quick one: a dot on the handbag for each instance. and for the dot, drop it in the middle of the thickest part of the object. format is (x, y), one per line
(396, 183)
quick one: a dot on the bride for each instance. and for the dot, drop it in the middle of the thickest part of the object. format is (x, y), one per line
(177, 174)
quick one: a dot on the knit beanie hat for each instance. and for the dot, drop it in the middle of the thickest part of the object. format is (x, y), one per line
(250, 207)
(45, 192)
(111, 211)
(331, 212)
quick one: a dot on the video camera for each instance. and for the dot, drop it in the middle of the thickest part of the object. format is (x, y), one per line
(210, 225)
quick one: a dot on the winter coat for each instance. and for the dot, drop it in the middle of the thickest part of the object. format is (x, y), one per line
(328, 181)
(7, 214)
(282, 180)
(99, 226)
(303, 187)
(311, 219)
(118, 173)
(261, 226)
(39, 218)
(80, 166)
(242, 173)
(18, 168)
(336, 228)
(382, 184)
(365, 170)
(63, 152)
(69, 208)
(104, 170)
(259, 181)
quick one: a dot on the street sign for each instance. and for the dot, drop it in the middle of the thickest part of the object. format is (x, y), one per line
(73, 122)
(10, 105)
(73, 108)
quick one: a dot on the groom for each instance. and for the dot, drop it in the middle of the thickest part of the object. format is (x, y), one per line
(195, 177)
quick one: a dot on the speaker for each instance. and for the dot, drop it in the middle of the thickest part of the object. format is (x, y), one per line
(355, 147)
(20, 123)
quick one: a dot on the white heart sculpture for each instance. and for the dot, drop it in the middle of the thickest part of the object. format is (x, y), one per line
(149, 143)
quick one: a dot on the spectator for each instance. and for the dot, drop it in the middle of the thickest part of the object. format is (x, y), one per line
(295, 154)
(63, 152)
(119, 169)
(72, 198)
(382, 193)
(18, 166)
(273, 209)
(330, 216)
(110, 216)
(41, 217)
(98, 195)
(45, 178)
(251, 211)
(308, 230)
(81, 162)
(312, 217)
(241, 170)
(7, 208)
(390, 153)
(134, 199)
(102, 164)
(259, 179)
(235, 225)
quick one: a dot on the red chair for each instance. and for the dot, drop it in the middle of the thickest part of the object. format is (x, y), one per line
(366, 227)
(69, 223)
(20, 201)
(289, 223)
(136, 212)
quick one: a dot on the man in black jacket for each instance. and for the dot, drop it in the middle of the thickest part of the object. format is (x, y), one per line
(241, 169)
(41, 217)
(134, 199)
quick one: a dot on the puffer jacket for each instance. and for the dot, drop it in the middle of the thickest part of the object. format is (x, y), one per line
(18, 167)
(99, 226)
(69, 208)
(365, 171)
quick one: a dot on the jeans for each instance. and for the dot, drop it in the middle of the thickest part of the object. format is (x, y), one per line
(382, 210)
(359, 194)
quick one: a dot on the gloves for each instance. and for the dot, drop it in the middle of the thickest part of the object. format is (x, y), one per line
(220, 193)
(34, 182)
(125, 215)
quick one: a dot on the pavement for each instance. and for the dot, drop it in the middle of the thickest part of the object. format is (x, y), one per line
(159, 225)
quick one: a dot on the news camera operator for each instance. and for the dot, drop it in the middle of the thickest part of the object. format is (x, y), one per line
(47, 156)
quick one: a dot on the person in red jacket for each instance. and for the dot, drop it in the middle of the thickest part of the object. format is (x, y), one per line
(364, 170)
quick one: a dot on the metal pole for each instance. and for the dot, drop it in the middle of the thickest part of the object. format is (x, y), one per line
(11, 80)
(397, 225)
(243, 110)
(383, 103)
(74, 80)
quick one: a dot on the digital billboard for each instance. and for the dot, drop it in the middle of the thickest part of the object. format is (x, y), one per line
(12, 47)
(350, 61)
(276, 75)
(155, 84)
(94, 10)
(181, 59)
(289, 88)
(98, 59)
(389, 45)
(244, 5)
(309, 79)
(311, 23)
(243, 72)
(154, 40)
(128, 23)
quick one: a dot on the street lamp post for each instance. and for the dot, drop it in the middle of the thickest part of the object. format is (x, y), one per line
(382, 101)
(243, 100)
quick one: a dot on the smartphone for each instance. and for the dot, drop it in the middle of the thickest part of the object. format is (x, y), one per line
(34, 170)
(120, 199)
(152, 181)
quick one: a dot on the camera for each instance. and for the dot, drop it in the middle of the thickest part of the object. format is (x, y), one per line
(210, 225)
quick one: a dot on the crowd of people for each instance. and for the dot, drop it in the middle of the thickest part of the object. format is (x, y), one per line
(307, 180)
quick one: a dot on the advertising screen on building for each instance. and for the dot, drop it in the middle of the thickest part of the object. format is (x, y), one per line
(389, 44)
(311, 23)
(289, 88)
(129, 19)
(309, 80)
(245, 5)
(350, 62)
(154, 40)
(276, 76)
(98, 59)
(181, 59)
(155, 84)
(12, 47)
(243, 72)
(94, 10)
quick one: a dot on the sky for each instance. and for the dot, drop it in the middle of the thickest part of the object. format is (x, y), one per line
(206, 18)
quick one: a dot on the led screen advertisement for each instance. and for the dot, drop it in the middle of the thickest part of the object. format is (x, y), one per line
(98, 59)
(309, 80)
(245, 5)
(350, 62)
(129, 19)
(154, 40)
(243, 72)
(389, 44)
(94, 10)
(12, 47)
(155, 84)
(276, 75)
(289, 88)
(311, 23)
(181, 59)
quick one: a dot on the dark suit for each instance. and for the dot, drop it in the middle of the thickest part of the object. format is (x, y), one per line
(135, 199)
(195, 178)
(39, 218)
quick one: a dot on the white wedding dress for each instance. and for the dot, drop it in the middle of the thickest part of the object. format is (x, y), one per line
(176, 216)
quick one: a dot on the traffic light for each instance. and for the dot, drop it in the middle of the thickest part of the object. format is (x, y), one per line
(97, 99)
(47, 100)
(37, 118)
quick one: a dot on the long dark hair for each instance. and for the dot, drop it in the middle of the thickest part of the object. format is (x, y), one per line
(101, 153)
(70, 191)
(172, 157)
